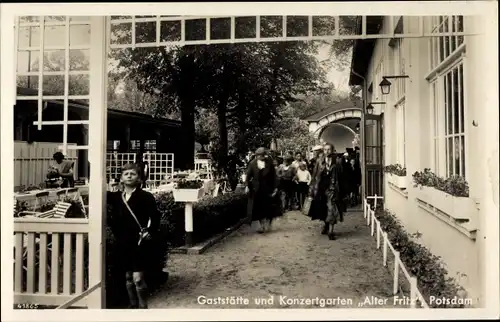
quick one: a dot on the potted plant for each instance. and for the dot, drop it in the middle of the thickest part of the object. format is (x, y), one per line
(397, 175)
(188, 191)
(450, 195)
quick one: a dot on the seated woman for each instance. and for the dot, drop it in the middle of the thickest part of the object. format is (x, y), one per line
(61, 171)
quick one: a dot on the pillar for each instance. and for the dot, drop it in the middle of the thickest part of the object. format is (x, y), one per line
(484, 83)
(97, 154)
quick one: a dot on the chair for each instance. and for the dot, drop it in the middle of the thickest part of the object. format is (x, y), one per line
(215, 193)
(40, 199)
(72, 194)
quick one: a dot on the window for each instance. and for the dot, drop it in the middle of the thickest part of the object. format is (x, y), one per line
(149, 146)
(448, 122)
(400, 134)
(399, 61)
(454, 128)
(398, 96)
(447, 98)
(443, 47)
(113, 145)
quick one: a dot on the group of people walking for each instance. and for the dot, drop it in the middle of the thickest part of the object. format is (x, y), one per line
(273, 186)
(329, 182)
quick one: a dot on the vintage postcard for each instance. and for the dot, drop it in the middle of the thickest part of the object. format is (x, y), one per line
(249, 161)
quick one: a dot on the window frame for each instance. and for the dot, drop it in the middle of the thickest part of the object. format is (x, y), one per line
(439, 121)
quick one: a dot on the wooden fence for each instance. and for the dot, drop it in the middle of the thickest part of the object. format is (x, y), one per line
(50, 260)
(31, 161)
(372, 221)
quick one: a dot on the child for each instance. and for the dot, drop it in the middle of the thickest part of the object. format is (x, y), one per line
(303, 178)
(134, 220)
(286, 176)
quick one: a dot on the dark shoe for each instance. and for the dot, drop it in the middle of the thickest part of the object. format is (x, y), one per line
(331, 236)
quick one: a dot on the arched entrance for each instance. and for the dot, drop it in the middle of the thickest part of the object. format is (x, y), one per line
(338, 125)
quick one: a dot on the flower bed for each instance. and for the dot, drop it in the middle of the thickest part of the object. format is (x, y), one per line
(397, 175)
(427, 268)
(210, 217)
(450, 196)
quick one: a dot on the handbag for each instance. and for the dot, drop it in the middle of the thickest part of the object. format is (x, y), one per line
(307, 206)
(143, 231)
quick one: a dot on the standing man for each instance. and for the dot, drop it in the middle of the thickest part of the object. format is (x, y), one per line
(299, 159)
(143, 165)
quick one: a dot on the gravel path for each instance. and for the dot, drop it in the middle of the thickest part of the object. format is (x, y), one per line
(292, 260)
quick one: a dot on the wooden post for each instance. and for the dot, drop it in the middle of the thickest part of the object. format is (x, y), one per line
(413, 292)
(378, 234)
(188, 223)
(368, 214)
(396, 274)
(373, 222)
(384, 248)
(375, 202)
(97, 156)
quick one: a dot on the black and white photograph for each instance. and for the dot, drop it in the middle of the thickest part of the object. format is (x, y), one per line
(178, 160)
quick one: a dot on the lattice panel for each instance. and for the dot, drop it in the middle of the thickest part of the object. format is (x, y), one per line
(160, 165)
(155, 31)
(115, 163)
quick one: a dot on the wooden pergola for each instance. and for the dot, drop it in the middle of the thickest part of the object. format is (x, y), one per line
(99, 46)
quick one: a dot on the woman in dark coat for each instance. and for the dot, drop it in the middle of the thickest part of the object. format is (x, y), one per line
(325, 192)
(134, 238)
(262, 185)
(346, 180)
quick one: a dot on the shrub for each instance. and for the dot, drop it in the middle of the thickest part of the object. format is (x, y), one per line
(455, 185)
(395, 169)
(189, 184)
(210, 216)
(76, 208)
(427, 268)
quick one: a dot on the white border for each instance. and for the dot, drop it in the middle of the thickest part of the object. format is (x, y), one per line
(347, 8)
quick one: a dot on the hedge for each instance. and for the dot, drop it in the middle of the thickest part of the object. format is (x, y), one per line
(210, 217)
(432, 277)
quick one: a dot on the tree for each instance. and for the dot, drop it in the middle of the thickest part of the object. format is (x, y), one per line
(243, 84)
(54, 61)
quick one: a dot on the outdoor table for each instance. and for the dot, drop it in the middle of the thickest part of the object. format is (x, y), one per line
(30, 196)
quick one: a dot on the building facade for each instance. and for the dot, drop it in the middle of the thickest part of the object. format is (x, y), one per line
(432, 119)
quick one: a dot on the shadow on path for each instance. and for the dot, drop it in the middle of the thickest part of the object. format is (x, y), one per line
(292, 260)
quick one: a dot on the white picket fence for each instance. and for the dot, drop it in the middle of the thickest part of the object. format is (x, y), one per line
(49, 261)
(372, 221)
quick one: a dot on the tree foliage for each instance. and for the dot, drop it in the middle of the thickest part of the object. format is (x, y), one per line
(245, 88)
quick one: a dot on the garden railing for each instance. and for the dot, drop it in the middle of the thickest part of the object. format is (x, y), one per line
(382, 237)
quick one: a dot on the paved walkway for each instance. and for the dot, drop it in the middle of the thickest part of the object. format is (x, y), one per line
(292, 260)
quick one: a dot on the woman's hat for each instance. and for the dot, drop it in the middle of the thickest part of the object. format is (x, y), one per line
(260, 151)
(317, 148)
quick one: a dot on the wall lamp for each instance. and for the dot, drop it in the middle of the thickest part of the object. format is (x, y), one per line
(370, 107)
(385, 85)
